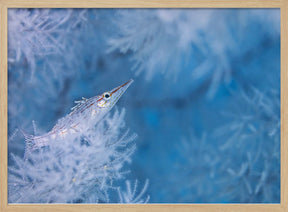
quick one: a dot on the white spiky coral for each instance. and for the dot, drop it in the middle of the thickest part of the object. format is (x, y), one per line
(74, 169)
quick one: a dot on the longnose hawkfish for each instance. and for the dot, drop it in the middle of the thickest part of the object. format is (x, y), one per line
(85, 111)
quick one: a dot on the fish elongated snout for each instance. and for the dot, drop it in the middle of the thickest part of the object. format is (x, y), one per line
(122, 88)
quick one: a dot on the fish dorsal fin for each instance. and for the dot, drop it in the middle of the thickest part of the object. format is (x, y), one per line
(79, 103)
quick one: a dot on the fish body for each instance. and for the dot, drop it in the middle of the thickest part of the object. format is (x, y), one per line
(77, 121)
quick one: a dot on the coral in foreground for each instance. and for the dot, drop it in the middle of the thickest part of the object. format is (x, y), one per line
(74, 170)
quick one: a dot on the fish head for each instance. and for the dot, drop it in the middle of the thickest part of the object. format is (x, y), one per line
(109, 98)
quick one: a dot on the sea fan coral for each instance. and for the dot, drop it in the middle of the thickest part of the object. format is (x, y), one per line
(241, 160)
(130, 196)
(74, 169)
(254, 132)
(198, 41)
(37, 33)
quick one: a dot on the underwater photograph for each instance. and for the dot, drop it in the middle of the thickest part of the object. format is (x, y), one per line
(148, 106)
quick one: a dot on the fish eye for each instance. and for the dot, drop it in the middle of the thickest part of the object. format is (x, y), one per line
(106, 95)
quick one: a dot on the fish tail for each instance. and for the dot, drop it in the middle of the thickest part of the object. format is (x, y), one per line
(30, 144)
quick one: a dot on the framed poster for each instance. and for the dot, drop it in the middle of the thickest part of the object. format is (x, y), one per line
(143, 105)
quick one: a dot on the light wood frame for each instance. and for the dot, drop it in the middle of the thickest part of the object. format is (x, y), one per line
(5, 4)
